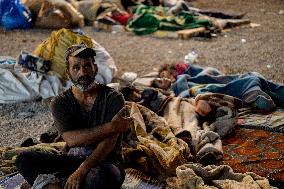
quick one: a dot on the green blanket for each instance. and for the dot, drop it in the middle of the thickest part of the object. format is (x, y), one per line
(148, 19)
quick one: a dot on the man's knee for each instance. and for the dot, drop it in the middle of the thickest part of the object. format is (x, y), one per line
(109, 176)
(25, 165)
(113, 172)
(24, 160)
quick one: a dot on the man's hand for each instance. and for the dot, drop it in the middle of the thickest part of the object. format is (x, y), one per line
(74, 181)
(120, 122)
(88, 136)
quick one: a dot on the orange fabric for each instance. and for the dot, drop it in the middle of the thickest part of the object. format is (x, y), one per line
(257, 151)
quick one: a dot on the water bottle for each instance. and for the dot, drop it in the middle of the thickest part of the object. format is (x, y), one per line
(191, 57)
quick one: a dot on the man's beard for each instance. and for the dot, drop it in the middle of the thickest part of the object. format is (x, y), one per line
(84, 83)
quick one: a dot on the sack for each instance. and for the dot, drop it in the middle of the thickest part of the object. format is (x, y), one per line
(51, 17)
(89, 9)
(14, 15)
(53, 49)
(74, 16)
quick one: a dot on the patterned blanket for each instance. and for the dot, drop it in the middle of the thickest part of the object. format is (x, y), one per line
(206, 142)
(151, 146)
(273, 122)
(261, 152)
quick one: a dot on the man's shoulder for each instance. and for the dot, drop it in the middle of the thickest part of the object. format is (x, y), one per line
(62, 98)
(109, 92)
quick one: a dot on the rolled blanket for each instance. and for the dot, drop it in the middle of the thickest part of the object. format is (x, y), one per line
(219, 112)
(213, 177)
(208, 147)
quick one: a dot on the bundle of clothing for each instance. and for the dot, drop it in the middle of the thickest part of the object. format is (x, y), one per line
(212, 177)
(56, 14)
(148, 19)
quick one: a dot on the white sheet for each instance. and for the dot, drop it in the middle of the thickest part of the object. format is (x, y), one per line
(16, 86)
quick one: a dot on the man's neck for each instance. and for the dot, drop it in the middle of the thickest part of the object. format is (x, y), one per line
(84, 94)
(85, 98)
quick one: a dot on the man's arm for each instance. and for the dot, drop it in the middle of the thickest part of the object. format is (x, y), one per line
(85, 137)
(74, 136)
(103, 149)
(100, 153)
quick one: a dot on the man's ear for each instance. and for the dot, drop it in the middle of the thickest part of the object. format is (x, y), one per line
(96, 68)
(66, 73)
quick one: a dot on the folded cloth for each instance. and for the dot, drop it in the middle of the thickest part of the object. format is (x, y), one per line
(213, 177)
(208, 146)
(222, 115)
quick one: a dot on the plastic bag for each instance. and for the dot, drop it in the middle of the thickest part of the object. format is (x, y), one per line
(14, 15)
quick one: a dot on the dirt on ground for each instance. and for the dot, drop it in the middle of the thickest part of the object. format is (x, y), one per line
(239, 50)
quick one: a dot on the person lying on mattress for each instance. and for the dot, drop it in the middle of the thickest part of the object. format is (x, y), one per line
(187, 80)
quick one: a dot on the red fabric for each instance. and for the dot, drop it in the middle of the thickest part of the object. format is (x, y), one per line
(122, 19)
(180, 68)
(258, 151)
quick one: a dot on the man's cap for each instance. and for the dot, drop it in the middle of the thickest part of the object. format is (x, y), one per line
(75, 50)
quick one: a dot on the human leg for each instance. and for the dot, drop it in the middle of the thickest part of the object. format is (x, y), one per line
(32, 164)
(106, 176)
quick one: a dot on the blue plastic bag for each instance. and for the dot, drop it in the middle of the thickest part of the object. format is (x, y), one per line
(14, 15)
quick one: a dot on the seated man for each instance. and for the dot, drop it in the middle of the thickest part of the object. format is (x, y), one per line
(89, 117)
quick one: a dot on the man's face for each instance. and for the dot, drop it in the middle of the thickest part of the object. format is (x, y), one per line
(82, 72)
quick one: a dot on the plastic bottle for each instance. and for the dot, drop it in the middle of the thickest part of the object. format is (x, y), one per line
(191, 57)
